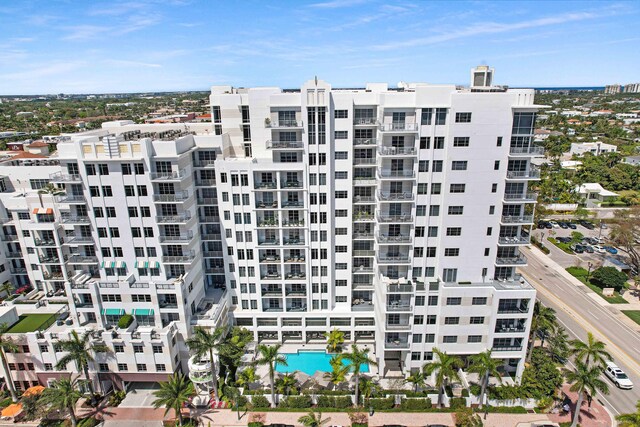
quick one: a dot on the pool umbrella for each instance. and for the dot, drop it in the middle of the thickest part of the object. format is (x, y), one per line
(12, 410)
(35, 390)
(320, 379)
(301, 377)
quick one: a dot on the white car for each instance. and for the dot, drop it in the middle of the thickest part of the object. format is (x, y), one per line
(599, 249)
(554, 224)
(617, 375)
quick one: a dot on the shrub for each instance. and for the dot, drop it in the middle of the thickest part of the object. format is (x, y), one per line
(88, 422)
(465, 392)
(260, 401)
(258, 418)
(5, 402)
(457, 402)
(466, 418)
(242, 401)
(117, 397)
(340, 402)
(125, 321)
(415, 404)
(475, 389)
(386, 403)
(609, 277)
(255, 424)
(359, 419)
(506, 409)
(296, 402)
(325, 402)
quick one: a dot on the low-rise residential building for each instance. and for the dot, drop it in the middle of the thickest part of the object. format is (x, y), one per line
(595, 148)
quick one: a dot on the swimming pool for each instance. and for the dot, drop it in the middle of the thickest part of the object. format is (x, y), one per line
(311, 361)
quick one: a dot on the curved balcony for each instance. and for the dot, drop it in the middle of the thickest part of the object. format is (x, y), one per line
(200, 370)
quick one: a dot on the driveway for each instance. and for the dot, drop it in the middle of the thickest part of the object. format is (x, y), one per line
(139, 395)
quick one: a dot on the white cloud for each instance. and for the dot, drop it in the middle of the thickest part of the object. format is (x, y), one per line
(127, 63)
(335, 4)
(84, 32)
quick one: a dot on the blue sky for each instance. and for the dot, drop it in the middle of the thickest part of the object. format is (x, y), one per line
(79, 46)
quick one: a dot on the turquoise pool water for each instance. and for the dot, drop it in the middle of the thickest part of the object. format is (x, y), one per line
(311, 361)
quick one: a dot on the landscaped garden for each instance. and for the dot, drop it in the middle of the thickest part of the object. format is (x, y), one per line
(604, 277)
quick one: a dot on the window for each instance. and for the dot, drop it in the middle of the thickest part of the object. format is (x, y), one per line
(476, 320)
(437, 166)
(103, 169)
(126, 169)
(48, 367)
(91, 169)
(450, 339)
(98, 213)
(114, 232)
(427, 114)
(454, 231)
(479, 301)
(451, 320)
(494, 188)
(425, 142)
(441, 116)
(486, 251)
(461, 141)
(429, 338)
(418, 319)
(141, 367)
(419, 300)
(423, 166)
(341, 114)
(341, 194)
(454, 300)
(102, 232)
(496, 165)
(107, 191)
(138, 168)
(463, 117)
(341, 134)
(136, 232)
(419, 231)
(160, 367)
(457, 188)
(417, 339)
(342, 155)
(438, 143)
(128, 191)
(432, 231)
(492, 210)
(430, 251)
(111, 212)
(430, 319)
(122, 367)
(455, 210)
(436, 188)
(434, 210)
(449, 274)
(421, 210)
(433, 300)
(133, 211)
(142, 190)
(499, 142)
(44, 348)
(137, 348)
(474, 338)
(459, 165)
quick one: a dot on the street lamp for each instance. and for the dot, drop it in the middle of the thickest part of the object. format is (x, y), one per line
(589, 271)
(600, 232)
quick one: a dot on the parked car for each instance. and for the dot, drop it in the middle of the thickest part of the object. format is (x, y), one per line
(563, 224)
(590, 240)
(564, 239)
(586, 224)
(542, 224)
(572, 225)
(588, 249)
(554, 224)
(617, 375)
(599, 249)
(577, 249)
(604, 225)
(610, 249)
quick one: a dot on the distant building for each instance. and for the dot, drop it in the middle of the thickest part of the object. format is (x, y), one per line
(631, 88)
(632, 160)
(570, 164)
(594, 194)
(173, 118)
(595, 148)
(612, 89)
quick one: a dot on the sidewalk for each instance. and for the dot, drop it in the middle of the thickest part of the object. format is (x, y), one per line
(597, 416)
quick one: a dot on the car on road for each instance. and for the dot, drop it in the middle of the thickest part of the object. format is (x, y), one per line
(617, 375)
(610, 249)
(599, 249)
(572, 226)
(579, 249)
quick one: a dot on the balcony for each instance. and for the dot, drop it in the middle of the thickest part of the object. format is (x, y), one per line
(399, 307)
(203, 163)
(272, 276)
(173, 219)
(179, 196)
(363, 199)
(362, 235)
(269, 222)
(363, 269)
(401, 174)
(295, 293)
(398, 326)
(398, 127)
(293, 204)
(394, 197)
(400, 289)
(283, 124)
(71, 199)
(295, 276)
(180, 238)
(48, 259)
(269, 242)
(387, 218)
(294, 259)
(207, 201)
(511, 309)
(522, 219)
(361, 305)
(383, 239)
(364, 180)
(364, 161)
(45, 242)
(364, 141)
(82, 259)
(298, 223)
(271, 292)
(214, 270)
(293, 241)
(57, 276)
(168, 176)
(532, 173)
(84, 304)
(178, 259)
(365, 121)
(364, 253)
(397, 151)
(9, 237)
(512, 260)
(206, 182)
(205, 219)
(284, 145)
(167, 303)
(13, 254)
(513, 328)
(532, 150)
(514, 240)
(396, 344)
(270, 259)
(78, 240)
(74, 219)
(521, 198)
(290, 184)
(19, 270)
(212, 254)
(267, 204)
(363, 217)
(390, 259)
(507, 348)
(265, 185)
(211, 236)
(60, 177)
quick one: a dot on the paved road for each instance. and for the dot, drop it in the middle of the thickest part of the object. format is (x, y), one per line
(580, 311)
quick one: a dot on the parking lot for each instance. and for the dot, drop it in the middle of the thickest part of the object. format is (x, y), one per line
(583, 259)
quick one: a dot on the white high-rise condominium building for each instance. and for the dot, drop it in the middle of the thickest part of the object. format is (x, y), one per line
(394, 215)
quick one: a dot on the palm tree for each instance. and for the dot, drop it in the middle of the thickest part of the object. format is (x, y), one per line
(558, 345)
(356, 359)
(417, 379)
(202, 344)
(446, 368)
(630, 420)
(51, 190)
(313, 420)
(80, 350)
(335, 339)
(247, 377)
(286, 383)
(368, 388)
(592, 350)
(336, 360)
(485, 366)
(338, 374)
(63, 395)
(585, 379)
(6, 287)
(543, 320)
(173, 394)
(7, 345)
(270, 356)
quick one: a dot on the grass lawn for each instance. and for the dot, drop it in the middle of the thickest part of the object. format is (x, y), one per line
(581, 274)
(633, 315)
(32, 323)
(564, 246)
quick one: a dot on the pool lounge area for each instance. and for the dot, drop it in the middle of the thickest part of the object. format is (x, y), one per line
(311, 361)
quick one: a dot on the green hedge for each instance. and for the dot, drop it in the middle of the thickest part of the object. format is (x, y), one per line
(255, 424)
(296, 402)
(125, 321)
(340, 402)
(416, 404)
(387, 403)
(504, 409)
(260, 401)
(457, 403)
